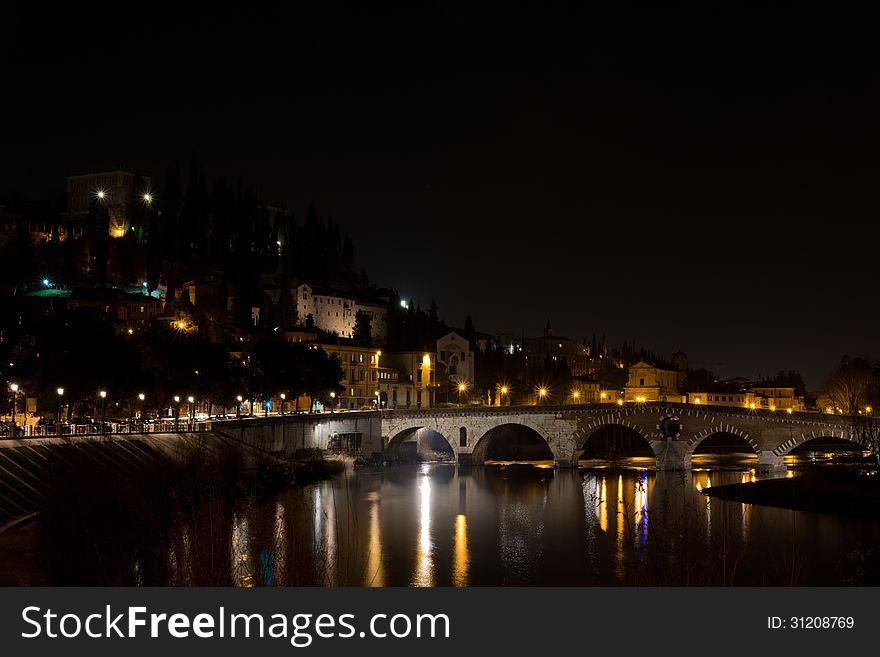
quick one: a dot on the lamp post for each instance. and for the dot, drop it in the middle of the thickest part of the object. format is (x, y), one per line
(576, 395)
(378, 401)
(142, 397)
(333, 401)
(283, 398)
(14, 388)
(461, 389)
(192, 410)
(176, 411)
(238, 408)
(103, 396)
(504, 391)
(60, 392)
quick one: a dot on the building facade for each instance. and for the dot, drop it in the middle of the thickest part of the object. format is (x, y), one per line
(550, 347)
(116, 189)
(337, 314)
(647, 383)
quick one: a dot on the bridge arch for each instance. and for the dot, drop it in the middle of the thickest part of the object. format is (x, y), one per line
(722, 435)
(584, 437)
(515, 440)
(832, 439)
(438, 440)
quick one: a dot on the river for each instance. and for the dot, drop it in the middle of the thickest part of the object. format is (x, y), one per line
(433, 524)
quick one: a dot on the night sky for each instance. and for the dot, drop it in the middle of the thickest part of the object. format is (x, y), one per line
(699, 178)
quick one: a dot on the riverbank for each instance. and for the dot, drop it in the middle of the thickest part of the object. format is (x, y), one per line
(839, 491)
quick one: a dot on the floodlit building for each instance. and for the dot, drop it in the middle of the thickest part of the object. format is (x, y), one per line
(647, 383)
(116, 189)
(337, 314)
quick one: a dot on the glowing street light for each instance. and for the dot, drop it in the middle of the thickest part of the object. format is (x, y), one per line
(148, 198)
(788, 410)
(103, 395)
(60, 392)
(378, 400)
(620, 402)
(333, 402)
(176, 399)
(47, 282)
(14, 388)
(576, 395)
(542, 393)
(101, 194)
(283, 399)
(239, 399)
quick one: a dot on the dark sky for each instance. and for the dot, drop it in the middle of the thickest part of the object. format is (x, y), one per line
(690, 177)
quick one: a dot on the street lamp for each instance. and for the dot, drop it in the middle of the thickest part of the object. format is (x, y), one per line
(60, 392)
(576, 395)
(192, 408)
(283, 398)
(542, 393)
(176, 411)
(333, 402)
(103, 396)
(14, 388)
(504, 391)
(378, 401)
(462, 388)
(142, 397)
(239, 400)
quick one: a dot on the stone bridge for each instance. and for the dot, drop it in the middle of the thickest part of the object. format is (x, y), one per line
(673, 431)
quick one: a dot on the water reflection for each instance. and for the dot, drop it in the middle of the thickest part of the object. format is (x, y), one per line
(461, 561)
(424, 571)
(375, 575)
(434, 525)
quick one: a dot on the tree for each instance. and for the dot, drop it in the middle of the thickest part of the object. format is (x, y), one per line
(363, 331)
(18, 266)
(347, 253)
(854, 388)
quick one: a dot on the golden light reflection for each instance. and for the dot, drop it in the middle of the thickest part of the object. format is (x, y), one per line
(461, 557)
(620, 521)
(641, 502)
(603, 507)
(375, 575)
(424, 570)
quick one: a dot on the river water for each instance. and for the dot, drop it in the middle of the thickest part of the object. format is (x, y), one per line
(528, 524)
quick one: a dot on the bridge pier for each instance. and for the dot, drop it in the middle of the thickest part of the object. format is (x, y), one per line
(672, 455)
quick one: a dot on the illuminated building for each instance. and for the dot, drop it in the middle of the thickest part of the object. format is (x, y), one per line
(115, 189)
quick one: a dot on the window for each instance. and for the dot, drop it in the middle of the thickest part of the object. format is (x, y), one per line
(641, 382)
(462, 437)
